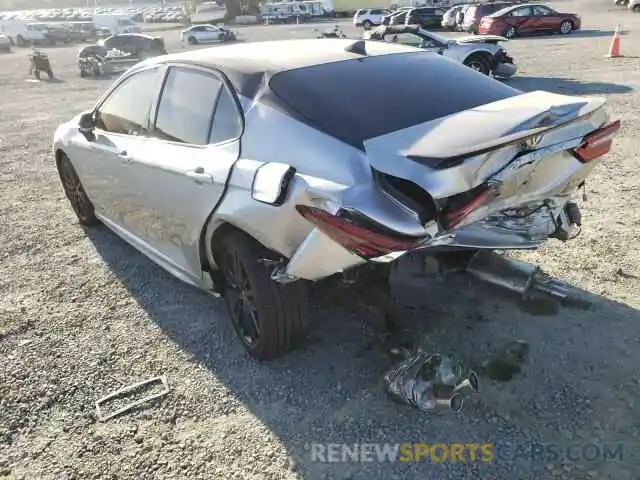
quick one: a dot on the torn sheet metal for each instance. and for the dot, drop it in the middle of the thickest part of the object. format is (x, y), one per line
(129, 389)
(427, 382)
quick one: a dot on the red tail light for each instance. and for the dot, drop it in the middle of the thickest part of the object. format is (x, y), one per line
(459, 213)
(357, 233)
(597, 143)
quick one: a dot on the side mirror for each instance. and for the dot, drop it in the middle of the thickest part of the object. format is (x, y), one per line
(271, 183)
(86, 125)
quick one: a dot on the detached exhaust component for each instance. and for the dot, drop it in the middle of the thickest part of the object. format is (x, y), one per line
(517, 276)
(358, 233)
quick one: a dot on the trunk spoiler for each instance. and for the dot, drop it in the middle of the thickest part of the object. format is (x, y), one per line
(545, 123)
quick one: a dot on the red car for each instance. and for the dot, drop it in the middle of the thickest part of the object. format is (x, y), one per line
(528, 19)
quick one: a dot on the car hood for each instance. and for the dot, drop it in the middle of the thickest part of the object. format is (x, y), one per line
(481, 39)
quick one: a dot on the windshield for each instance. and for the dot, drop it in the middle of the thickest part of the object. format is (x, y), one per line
(331, 97)
(436, 37)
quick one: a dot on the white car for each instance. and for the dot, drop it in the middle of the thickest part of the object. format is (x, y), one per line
(5, 43)
(368, 17)
(206, 34)
(634, 5)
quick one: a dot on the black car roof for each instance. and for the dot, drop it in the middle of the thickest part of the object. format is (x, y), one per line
(247, 64)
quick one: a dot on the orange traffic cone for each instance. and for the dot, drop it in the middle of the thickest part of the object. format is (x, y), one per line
(614, 48)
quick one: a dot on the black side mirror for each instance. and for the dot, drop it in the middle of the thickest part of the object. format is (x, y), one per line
(86, 124)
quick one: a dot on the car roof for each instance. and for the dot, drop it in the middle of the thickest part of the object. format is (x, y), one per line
(398, 28)
(252, 58)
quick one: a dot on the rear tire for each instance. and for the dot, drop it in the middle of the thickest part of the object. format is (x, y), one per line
(75, 193)
(479, 63)
(510, 32)
(192, 41)
(367, 24)
(269, 318)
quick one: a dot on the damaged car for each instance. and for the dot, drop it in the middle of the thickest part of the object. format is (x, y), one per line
(481, 53)
(256, 171)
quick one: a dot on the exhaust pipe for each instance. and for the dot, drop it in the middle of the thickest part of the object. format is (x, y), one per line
(472, 382)
(517, 276)
(446, 396)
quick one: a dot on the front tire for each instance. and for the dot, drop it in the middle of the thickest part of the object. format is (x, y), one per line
(367, 24)
(566, 27)
(75, 193)
(270, 318)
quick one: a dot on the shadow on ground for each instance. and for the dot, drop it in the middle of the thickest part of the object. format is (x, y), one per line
(578, 34)
(332, 392)
(568, 86)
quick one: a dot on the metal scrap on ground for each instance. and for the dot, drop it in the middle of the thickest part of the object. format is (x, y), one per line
(426, 381)
(127, 390)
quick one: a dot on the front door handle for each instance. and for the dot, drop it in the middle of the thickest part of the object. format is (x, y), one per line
(199, 176)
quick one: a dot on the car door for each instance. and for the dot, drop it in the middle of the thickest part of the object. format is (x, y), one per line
(122, 124)
(546, 20)
(184, 169)
(522, 19)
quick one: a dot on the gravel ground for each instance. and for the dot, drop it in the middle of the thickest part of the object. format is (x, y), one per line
(82, 314)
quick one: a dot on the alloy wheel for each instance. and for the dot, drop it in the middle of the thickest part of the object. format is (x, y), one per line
(240, 300)
(566, 27)
(74, 190)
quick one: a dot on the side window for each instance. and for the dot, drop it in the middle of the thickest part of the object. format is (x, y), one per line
(521, 12)
(539, 11)
(186, 106)
(227, 123)
(376, 12)
(409, 39)
(126, 109)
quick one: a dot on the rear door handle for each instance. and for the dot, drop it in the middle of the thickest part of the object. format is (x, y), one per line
(199, 176)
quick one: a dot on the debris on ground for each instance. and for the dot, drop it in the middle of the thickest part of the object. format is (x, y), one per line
(130, 390)
(505, 364)
(428, 381)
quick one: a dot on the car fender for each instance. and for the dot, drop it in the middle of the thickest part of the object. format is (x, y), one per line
(285, 226)
(489, 50)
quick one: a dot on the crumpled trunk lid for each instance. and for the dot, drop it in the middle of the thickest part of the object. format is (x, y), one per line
(423, 153)
(482, 39)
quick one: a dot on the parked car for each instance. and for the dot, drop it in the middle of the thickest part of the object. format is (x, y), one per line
(634, 5)
(449, 19)
(527, 20)
(206, 34)
(137, 44)
(621, 3)
(427, 17)
(474, 14)
(257, 175)
(485, 56)
(396, 17)
(5, 43)
(368, 17)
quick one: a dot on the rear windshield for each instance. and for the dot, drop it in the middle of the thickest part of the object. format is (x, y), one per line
(354, 100)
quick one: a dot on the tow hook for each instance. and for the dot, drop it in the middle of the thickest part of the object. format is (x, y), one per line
(568, 223)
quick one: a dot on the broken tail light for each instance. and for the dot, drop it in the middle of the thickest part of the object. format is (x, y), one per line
(357, 233)
(458, 213)
(597, 143)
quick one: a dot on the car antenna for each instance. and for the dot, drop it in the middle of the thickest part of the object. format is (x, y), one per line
(357, 47)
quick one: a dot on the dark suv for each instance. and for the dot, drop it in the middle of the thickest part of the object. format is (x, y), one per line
(426, 17)
(135, 44)
(474, 13)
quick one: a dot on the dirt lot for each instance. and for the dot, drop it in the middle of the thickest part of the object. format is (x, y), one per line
(82, 314)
